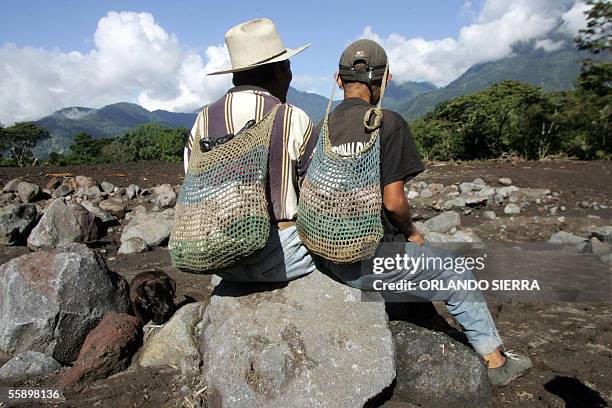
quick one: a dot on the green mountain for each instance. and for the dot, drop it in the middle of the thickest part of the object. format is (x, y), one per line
(109, 121)
(553, 71)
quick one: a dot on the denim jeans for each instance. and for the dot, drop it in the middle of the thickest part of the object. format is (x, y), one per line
(468, 307)
(284, 258)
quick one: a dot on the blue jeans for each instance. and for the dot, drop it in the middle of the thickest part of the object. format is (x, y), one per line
(284, 258)
(468, 307)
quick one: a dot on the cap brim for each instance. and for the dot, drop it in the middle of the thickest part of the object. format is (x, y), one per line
(289, 52)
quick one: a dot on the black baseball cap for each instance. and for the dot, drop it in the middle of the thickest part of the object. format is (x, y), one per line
(368, 52)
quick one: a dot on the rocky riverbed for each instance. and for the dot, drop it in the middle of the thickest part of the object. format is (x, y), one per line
(548, 221)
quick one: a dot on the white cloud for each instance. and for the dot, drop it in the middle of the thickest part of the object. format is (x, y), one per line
(575, 19)
(133, 59)
(314, 84)
(500, 25)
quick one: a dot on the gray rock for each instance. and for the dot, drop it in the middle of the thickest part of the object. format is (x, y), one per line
(512, 209)
(16, 221)
(607, 258)
(177, 341)
(133, 245)
(602, 233)
(63, 191)
(153, 228)
(6, 199)
(91, 192)
(27, 192)
(162, 188)
(63, 223)
(107, 187)
(412, 194)
(565, 238)
(489, 215)
(166, 199)
(433, 370)
(505, 191)
(132, 191)
(52, 299)
(85, 181)
(473, 200)
(311, 343)
(479, 183)
(426, 193)
(534, 193)
(105, 217)
(11, 186)
(595, 246)
(29, 364)
(114, 205)
(505, 181)
(466, 187)
(444, 222)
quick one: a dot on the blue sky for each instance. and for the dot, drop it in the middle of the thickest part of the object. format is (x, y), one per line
(62, 53)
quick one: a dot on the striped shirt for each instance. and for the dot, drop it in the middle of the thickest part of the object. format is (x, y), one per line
(291, 144)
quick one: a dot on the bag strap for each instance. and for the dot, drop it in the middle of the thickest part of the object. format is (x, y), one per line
(204, 136)
(375, 127)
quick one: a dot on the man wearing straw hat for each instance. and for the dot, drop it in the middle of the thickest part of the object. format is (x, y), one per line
(363, 75)
(261, 77)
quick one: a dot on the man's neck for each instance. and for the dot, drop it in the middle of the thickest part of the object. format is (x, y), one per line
(360, 93)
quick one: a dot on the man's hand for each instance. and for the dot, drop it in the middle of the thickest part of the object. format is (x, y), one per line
(416, 238)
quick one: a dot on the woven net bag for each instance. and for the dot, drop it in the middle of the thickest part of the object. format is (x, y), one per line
(222, 213)
(339, 212)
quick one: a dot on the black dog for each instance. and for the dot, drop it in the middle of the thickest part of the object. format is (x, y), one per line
(152, 296)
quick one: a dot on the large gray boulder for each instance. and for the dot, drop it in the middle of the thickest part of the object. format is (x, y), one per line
(311, 343)
(63, 223)
(50, 300)
(105, 217)
(433, 370)
(444, 222)
(16, 220)
(153, 228)
(27, 192)
(28, 364)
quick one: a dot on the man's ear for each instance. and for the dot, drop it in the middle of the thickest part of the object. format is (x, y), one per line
(389, 77)
(339, 80)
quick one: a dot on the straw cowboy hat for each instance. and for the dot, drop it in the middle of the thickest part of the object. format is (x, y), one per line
(255, 43)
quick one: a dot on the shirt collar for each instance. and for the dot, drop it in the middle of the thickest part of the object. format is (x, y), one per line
(243, 88)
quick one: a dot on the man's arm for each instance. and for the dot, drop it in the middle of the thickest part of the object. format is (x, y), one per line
(396, 204)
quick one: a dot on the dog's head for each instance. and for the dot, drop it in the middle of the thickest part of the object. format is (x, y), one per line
(155, 297)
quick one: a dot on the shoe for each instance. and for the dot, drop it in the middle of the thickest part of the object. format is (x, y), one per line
(514, 367)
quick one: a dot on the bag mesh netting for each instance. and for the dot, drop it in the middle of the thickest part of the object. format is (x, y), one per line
(339, 212)
(222, 213)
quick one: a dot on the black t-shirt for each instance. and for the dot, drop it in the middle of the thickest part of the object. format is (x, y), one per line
(399, 159)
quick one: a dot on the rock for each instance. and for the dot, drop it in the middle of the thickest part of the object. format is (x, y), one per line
(85, 181)
(162, 188)
(16, 221)
(103, 216)
(91, 192)
(63, 191)
(108, 349)
(52, 299)
(132, 191)
(107, 187)
(512, 209)
(479, 183)
(167, 199)
(565, 238)
(607, 259)
(602, 233)
(595, 246)
(6, 199)
(436, 188)
(489, 215)
(53, 183)
(133, 245)
(466, 187)
(534, 193)
(177, 341)
(114, 205)
(29, 364)
(426, 193)
(27, 192)
(153, 228)
(444, 222)
(505, 191)
(434, 370)
(421, 227)
(505, 181)
(63, 223)
(412, 194)
(308, 343)
(474, 200)
(11, 186)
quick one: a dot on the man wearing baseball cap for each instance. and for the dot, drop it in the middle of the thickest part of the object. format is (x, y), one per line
(361, 71)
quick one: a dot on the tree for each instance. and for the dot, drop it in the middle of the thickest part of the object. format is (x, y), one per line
(597, 36)
(20, 138)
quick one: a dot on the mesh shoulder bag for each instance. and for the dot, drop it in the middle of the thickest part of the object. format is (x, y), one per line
(222, 213)
(339, 212)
